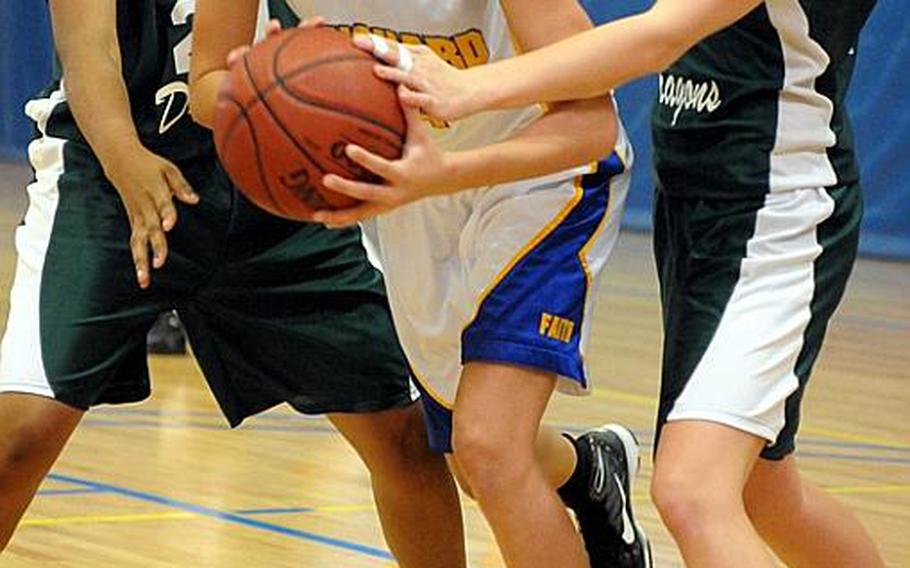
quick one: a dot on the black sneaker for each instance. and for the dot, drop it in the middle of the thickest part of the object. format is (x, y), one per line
(166, 337)
(612, 537)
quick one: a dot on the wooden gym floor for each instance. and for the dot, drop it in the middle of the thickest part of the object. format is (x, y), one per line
(166, 484)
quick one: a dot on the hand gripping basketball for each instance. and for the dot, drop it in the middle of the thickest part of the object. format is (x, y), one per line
(289, 108)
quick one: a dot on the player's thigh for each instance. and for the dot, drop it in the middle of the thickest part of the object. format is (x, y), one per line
(395, 436)
(77, 318)
(299, 316)
(742, 281)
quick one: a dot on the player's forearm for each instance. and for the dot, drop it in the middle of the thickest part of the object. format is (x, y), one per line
(583, 66)
(573, 134)
(100, 104)
(596, 61)
(219, 26)
(96, 93)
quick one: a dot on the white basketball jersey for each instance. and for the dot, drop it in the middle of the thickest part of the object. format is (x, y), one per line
(465, 33)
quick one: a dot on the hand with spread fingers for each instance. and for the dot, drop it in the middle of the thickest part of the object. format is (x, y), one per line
(426, 81)
(148, 185)
(422, 171)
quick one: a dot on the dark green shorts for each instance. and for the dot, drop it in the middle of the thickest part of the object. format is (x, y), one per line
(275, 311)
(748, 286)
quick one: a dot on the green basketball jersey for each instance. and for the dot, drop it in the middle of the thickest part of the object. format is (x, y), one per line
(155, 39)
(760, 106)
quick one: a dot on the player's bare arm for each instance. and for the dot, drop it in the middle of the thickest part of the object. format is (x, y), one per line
(212, 43)
(85, 32)
(570, 134)
(583, 66)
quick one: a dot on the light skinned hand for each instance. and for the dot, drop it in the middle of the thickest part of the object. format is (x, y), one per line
(423, 170)
(440, 90)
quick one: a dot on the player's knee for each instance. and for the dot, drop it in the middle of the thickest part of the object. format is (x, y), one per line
(687, 503)
(19, 446)
(487, 463)
(400, 448)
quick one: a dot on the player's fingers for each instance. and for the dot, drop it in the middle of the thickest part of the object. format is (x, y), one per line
(389, 52)
(180, 188)
(413, 99)
(158, 243)
(272, 28)
(139, 248)
(237, 54)
(392, 74)
(341, 218)
(316, 22)
(376, 164)
(167, 214)
(356, 189)
(417, 128)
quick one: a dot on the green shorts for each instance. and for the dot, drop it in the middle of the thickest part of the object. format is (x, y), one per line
(275, 311)
(748, 286)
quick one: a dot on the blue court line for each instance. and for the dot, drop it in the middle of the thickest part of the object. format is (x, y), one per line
(224, 516)
(53, 492)
(275, 511)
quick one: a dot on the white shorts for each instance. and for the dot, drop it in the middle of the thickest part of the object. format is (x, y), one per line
(501, 274)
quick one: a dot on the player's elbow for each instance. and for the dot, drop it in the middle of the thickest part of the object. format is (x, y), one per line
(595, 128)
(202, 102)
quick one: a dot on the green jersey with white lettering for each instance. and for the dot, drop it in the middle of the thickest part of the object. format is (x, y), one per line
(155, 39)
(760, 106)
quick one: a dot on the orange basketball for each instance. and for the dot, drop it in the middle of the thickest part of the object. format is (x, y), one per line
(286, 112)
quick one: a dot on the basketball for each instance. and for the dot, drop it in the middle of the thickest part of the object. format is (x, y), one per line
(286, 112)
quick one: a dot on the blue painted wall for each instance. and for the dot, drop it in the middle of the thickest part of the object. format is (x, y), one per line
(25, 65)
(878, 104)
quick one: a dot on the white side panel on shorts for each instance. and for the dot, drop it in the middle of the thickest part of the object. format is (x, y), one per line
(748, 370)
(21, 362)
(799, 159)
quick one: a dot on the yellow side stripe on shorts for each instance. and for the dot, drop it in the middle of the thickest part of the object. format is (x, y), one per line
(532, 244)
(431, 392)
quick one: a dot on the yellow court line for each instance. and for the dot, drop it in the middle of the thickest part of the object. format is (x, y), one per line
(625, 396)
(861, 489)
(840, 435)
(850, 437)
(87, 519)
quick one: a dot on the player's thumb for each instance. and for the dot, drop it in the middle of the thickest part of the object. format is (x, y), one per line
(414, 118)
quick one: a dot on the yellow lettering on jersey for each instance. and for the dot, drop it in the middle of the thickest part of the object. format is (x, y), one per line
(360, 29)
(462, 50)
(385, 32)
(555, 327)
(446, 49)
(472, 48)
(410, 39)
